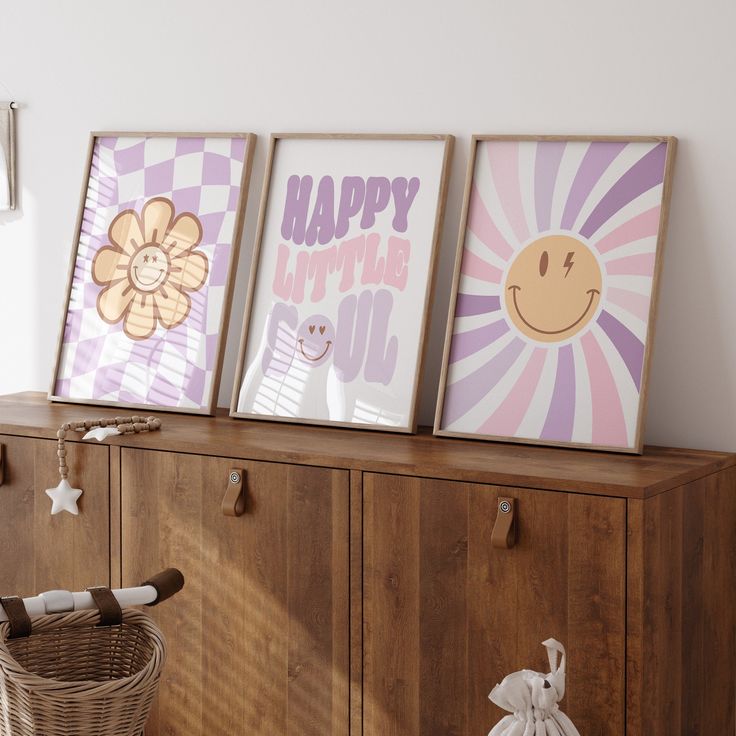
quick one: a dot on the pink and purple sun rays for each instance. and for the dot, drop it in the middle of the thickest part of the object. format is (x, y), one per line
(587, 388)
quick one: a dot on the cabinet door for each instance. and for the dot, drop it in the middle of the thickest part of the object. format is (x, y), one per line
(38, 551)
(258, 638)
(447, 616)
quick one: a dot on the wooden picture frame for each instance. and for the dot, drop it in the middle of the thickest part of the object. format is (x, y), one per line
(164, 350)
(530, 194)
(404, 156)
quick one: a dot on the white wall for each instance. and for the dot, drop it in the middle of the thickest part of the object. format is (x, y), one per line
(572, 66)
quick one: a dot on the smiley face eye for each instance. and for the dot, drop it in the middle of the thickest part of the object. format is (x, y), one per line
(569, 263)
(311, 329)
(155, 259)
(145, 259)
(321, 329)
(543, 263)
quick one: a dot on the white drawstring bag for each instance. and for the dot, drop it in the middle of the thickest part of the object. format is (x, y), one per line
(533, 700)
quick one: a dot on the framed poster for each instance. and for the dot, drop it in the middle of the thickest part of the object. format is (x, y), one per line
(554, 294)
(341, 282)
(152, 271)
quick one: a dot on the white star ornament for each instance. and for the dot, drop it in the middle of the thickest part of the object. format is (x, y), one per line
(64, 498)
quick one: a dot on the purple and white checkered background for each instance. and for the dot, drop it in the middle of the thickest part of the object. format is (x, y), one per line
(172, 368)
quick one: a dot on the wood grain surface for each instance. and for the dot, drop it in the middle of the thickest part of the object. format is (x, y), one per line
(259, 637)
(40, 552)
(446, 616)
(682, 610)
(657, 470)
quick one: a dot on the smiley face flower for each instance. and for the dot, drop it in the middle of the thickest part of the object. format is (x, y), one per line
(148, 268)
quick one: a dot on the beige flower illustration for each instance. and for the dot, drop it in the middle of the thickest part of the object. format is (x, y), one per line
(149, 267)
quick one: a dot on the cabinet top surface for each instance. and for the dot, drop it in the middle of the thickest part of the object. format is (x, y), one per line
(583, 471)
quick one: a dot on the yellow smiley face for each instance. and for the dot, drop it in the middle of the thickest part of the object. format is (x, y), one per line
(553, 288)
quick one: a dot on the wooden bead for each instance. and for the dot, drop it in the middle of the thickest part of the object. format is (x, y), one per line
(61, 453)
(61, 434)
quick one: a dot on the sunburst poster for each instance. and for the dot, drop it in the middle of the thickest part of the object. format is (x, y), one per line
(555, 282)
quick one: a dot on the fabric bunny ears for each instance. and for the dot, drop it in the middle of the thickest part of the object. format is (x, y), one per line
(532, 698)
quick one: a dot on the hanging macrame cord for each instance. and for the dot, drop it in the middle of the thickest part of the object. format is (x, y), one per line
(123, 425)
(65, 497)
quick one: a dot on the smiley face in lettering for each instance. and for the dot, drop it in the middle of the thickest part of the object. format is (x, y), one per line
(553, 288)
(315, 339)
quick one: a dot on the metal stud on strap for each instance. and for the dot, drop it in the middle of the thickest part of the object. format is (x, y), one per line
(504, 530)
(234, 501)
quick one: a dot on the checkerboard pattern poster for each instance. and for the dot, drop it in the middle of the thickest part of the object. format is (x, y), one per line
(152, 275)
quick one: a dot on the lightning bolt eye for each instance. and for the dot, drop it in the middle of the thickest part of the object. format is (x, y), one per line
(569, 263)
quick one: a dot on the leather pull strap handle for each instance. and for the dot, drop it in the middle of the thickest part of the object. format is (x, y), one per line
(20, 621)
(233, 502)
(504, 530)
(110, 612)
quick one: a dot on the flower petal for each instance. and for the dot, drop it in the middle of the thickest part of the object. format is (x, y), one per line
(189, 271)
(184, 234)
(108, 265)
(140, 321)
(126, 232)
(157, 215)
(113, 302)
(173, 305)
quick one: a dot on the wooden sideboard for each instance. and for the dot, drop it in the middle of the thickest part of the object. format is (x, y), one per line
(359, 593)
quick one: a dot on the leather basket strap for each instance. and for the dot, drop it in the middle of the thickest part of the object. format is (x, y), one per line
(20, 621)
(110, 612)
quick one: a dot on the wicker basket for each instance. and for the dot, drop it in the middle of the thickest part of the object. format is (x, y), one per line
(74, 677)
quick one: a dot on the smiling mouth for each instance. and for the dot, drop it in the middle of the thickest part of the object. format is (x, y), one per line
(147, 283)
(515, 289)
(328, 345)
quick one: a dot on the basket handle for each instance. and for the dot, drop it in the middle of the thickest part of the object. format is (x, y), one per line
(20, 621)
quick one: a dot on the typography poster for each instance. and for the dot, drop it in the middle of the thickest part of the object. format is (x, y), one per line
(341, 280)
